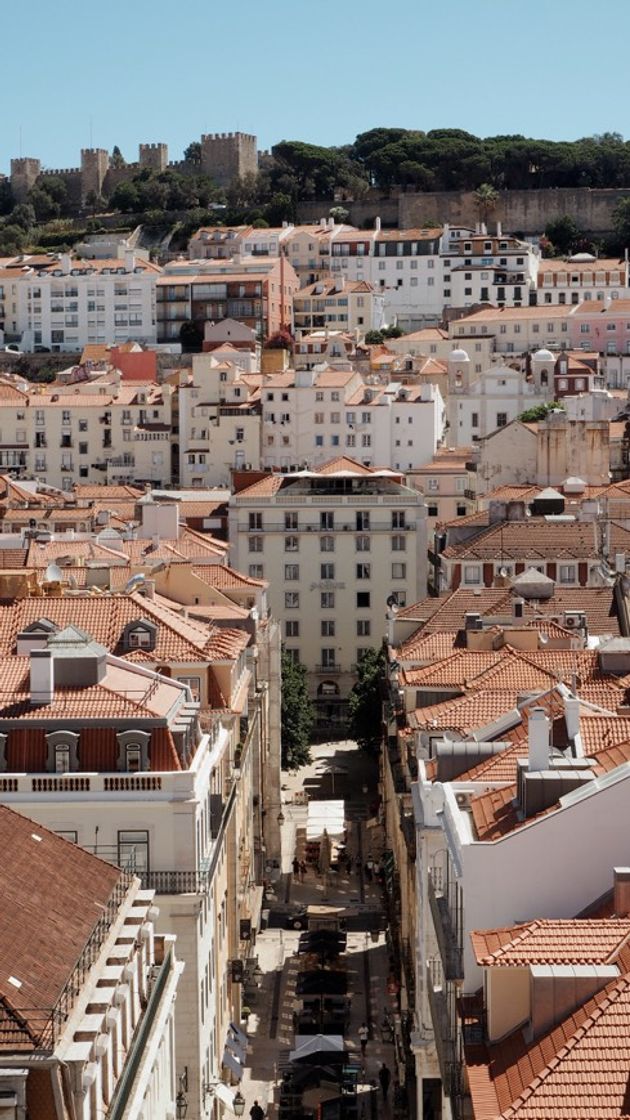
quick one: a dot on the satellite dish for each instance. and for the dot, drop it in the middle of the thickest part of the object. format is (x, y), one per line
(52, 574)
(135, 582)
(503, 572)
(543, 639)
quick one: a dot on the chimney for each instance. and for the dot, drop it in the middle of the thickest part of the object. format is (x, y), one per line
(65, 264)
(499, 229)
(538, 740)
(572, 716)
(323, 223)
(130, 260)
(377, 225)
(621, 891)
(42, 677)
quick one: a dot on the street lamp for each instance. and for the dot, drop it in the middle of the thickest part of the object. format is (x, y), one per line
(181, 1105)
(257, 975)
(281, 818)
(238, 1103)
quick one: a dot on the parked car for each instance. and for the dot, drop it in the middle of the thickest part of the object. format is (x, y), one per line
(13, 348)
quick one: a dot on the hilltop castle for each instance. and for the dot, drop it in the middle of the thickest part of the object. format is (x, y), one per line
(224, 156)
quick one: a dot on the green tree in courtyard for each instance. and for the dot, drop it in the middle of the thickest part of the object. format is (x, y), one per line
(365, 702)
(297, 715)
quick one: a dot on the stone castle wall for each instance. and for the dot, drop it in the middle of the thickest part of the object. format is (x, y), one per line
(225, 156)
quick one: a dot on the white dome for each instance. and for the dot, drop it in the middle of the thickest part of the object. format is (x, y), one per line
(458, 356)
(582, 257)
(543, 356)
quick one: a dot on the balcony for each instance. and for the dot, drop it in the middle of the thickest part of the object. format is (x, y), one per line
(446, 911)
(441, 998)
(329, 670)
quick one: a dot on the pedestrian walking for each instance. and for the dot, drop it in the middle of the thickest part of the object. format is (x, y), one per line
(256, 1112)
(368, 873)
(296, 867)
(303, 870)
(385, 1077)
(363, 1034)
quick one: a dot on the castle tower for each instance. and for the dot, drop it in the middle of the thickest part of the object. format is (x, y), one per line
(24, 174)
(154, 156)
(94, 167)
(458, 371)
(226, 156)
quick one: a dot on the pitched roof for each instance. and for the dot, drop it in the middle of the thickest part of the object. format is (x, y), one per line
(534, 538)
(552, 941)
(465, 714)
(54, 895)
(447, 612)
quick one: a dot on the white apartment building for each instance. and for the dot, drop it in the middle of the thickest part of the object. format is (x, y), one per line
(475, 874)
(99, 430)
(336, 544)
(64, 303)
(114, 758)
(479, 404)
(312, 416)
(486, 268)
(89, 1012)
(403, 264)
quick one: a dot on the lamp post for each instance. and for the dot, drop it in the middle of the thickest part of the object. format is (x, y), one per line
(238, 1103)
(281, 818)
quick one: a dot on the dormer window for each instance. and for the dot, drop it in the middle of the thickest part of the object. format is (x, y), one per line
(133, 751)
(141, 634)
(63, 752)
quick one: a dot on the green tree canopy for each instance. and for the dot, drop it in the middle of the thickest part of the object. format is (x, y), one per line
(117, 158)
(193, 152)
(563, 233)
(365, 702)
(297, 715)
(539, 412)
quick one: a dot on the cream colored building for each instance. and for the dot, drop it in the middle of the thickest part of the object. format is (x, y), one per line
(516, 330)
(480, 403)
(336, 544)
(219, 417)
(444, 483)
(99, 430)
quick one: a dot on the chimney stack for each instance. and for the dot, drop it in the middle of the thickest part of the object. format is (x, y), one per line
(572, 716)
(377, 225)
(538, 740)
(621, 902)
(42, 677)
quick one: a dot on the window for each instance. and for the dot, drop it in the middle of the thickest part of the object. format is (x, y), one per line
(294, 655)
(318, 417)
(255, 571)
(335, 418)
(398, 519)
(326, 544)
(362, 520)
(292, 600)
(472, 573)
(326, 520)
(292, 628)
(133, 850)
(362, 544)
(567, 573)
(327, 571)
(363, 627)
(501, 419)
(327, 628)
(327, 600)
(399, 543)
(363, 571)
(291, 571)
(363, 599)
(72, 837)
(474, 420)
(62, 758)
(133, 758)
(328, 659)
(141, 639)
(399, 571)
(255, 544)
(290, 521)
(291, 544)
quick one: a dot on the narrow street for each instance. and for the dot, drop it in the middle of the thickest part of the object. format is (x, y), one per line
(337, 771)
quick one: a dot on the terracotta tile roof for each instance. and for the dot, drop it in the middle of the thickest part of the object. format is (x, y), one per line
(423, 648)
(531, 539)
(552, 941)
(54, 893)
(104, 618)
(599, 733)
(459, 669)
(465, 714)
(265, 487)
(109, 492)
(447, 612)
(224, 578)
(495, 813)
(343, 463)
(417, 234)
(576, 1071)
(190, 545)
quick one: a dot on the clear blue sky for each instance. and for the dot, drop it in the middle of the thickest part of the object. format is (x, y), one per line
(127, 71)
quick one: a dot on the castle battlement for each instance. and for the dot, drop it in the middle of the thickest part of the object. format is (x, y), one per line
(227, 136)
(61, 171)
(91, 152)
(157, 147)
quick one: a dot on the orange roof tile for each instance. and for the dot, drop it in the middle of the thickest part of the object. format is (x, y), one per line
(552, 941)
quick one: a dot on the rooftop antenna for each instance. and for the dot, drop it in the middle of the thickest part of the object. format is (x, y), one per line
(20, 141)
(91, 144)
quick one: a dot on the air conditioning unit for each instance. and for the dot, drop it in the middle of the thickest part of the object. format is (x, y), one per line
(463, 800)
(574, 620)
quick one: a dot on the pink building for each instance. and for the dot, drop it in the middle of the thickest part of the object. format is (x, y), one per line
(601, 327)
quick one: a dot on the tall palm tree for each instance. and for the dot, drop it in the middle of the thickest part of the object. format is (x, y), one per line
(486, 198)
